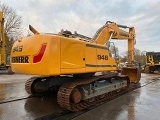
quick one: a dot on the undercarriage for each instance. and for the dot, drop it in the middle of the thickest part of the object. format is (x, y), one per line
(152, 69)
(77, 94)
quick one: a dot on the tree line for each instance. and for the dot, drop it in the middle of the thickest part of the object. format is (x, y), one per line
(139, 56)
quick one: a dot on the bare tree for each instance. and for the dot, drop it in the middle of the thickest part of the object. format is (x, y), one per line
(138, 56)
(12, 26)
(114, 50)
(12, 22)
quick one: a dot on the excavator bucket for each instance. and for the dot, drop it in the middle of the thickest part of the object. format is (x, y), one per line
(133, 73)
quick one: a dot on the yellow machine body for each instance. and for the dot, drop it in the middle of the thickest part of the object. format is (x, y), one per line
(67, 53)
(45, 54)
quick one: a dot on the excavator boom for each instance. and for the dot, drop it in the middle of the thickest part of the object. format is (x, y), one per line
(111, 30)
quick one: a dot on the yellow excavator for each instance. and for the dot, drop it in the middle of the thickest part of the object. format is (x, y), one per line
(4, 58)
(67, 62)
(152, 62)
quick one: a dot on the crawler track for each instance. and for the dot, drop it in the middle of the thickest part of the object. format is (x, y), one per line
(28, 84)
(64, 93)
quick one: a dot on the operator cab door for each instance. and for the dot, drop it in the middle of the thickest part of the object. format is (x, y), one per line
(91, 57)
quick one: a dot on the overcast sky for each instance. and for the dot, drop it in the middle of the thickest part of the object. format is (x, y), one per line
(87, 16)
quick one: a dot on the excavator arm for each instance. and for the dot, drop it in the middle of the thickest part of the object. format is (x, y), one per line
(111, 30)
